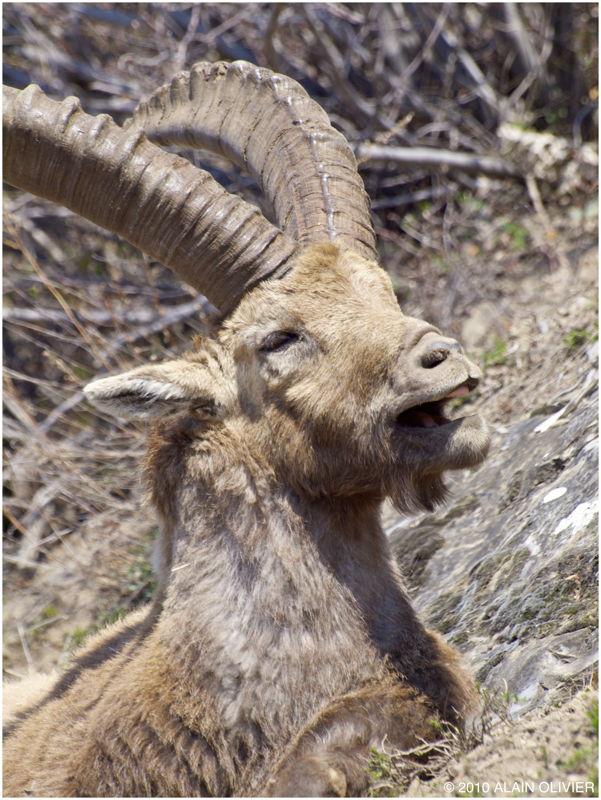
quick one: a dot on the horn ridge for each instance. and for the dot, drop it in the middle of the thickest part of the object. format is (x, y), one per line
(157, 201)
(269, 126)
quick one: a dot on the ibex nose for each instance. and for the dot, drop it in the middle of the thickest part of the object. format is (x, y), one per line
(438, 350)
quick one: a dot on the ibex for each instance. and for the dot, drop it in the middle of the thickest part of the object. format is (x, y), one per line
(281, 645)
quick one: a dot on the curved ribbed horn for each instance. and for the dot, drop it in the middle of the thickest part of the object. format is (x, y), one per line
(268, 125)
(159, 202)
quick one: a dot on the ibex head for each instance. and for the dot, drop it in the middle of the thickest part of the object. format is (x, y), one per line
(338, 391)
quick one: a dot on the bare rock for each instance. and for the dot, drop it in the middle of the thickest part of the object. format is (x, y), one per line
(508, 571)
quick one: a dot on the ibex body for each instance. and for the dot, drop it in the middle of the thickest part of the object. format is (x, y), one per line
(281, 645)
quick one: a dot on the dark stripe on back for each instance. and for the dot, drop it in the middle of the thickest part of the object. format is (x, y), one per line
(105, 650)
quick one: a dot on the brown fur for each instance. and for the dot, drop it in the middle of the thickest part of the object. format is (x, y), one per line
(282, 645)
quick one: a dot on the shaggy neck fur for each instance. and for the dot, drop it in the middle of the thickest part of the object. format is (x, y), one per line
(285, 588)
(277, 617)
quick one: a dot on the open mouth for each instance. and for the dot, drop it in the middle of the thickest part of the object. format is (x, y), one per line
(432, 414)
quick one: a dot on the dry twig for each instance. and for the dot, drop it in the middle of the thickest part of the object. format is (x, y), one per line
(368, 153)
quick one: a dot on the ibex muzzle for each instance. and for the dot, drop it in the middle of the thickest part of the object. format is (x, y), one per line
(281, 646)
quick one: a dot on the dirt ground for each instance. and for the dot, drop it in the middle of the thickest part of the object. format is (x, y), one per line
(549, 752)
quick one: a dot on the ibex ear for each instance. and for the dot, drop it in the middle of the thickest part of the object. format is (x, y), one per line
(160, 390)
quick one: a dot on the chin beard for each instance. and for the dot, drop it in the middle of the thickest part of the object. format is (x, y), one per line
(418, 492)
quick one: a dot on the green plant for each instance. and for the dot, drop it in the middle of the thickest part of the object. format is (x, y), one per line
(593, 715)
(141, 581)
(519, 236)
(495, 705)
(579, 336)
(109, 616)
(444, 267)
(379, 767)
(556, 116)
(584, 759)
(497, 355)
(391, 771)
(77, 637)
(469, 201)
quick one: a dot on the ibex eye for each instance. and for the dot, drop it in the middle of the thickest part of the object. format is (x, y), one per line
(278, 340)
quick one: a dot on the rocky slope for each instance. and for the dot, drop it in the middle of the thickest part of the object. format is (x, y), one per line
(508, 570)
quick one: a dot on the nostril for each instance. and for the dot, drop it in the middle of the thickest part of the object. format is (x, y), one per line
(438, 351)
